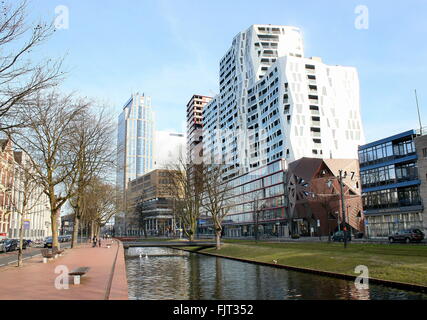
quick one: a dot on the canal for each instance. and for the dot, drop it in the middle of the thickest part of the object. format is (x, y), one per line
(165, 273)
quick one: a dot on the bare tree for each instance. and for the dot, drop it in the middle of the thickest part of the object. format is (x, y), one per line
(47, 138)
(92, 143)
(141, 213)
(216, 193)
(185, 187)
(99, 204)
(21, 78)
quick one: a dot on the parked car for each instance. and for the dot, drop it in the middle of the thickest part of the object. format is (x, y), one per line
(48, 242)
(64, 238)
(407, 235)
(339, 236)
(10, 245)
(24, 244)
(2, 247)
(359, 235)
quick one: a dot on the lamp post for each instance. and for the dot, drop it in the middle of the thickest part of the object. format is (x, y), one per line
(256, 221)
(342, 175)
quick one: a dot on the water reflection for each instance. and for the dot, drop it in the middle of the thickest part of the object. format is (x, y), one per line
(174, 274)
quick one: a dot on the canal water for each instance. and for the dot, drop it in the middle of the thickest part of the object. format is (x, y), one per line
(165, 273)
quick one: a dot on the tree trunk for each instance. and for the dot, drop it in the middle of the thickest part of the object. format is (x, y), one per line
(191, 237)
(218, 239)
(54, 225)
(75, 231)
(21, 241)
(92, 234)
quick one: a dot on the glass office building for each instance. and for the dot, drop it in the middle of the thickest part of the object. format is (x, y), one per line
(258, 195)
(391, 184)
(135, 140)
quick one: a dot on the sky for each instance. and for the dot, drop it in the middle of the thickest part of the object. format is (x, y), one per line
(171, 50)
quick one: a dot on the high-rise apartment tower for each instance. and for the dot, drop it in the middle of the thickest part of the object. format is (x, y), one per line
(275, 103)
(195, 127)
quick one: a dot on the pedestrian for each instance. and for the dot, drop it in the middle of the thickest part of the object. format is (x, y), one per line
(94, 242)
(99, 242)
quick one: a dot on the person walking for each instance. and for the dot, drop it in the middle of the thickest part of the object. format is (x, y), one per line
(99, 242)
(94, 242)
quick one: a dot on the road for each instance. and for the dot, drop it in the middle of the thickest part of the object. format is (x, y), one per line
(9, 258)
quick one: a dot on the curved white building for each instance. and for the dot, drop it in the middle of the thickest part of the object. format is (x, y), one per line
(275, 103)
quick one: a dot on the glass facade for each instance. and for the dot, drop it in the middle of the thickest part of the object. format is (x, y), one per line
(135, 141)
(386, 151)
(389, 174)
(392, 198)
(256, 196)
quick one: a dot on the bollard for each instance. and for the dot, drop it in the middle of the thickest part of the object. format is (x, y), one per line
(44, 260)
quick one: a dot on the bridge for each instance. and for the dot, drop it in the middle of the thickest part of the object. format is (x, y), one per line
(204, 244)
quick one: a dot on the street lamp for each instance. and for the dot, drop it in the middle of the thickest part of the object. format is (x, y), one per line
(343, 175)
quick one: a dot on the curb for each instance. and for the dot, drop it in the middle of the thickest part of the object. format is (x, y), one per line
(110, 280)
(388, 283)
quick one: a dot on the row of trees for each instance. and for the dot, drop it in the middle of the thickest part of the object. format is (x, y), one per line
(196, 189)
(67, 140)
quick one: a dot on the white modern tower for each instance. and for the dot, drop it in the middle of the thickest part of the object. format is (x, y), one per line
(275, 103)
(135, 140)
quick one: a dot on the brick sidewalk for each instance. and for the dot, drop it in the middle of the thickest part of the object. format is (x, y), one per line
(36, 280)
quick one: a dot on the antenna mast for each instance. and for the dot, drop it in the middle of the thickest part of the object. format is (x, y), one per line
(418, 109)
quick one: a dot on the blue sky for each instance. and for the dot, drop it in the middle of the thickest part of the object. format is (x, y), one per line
(171, 50)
